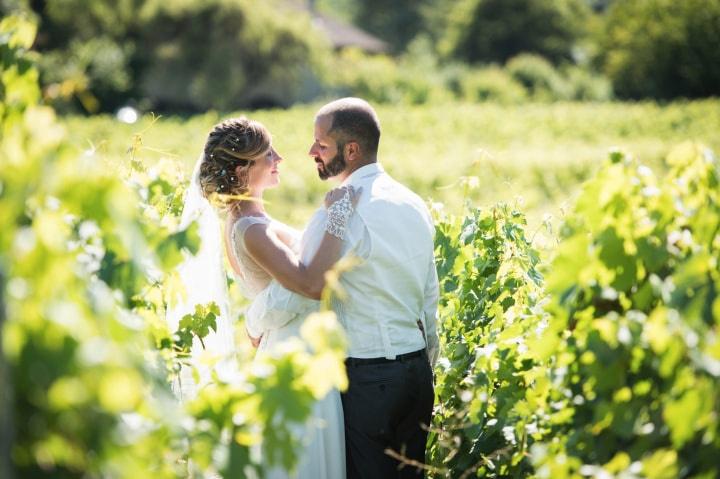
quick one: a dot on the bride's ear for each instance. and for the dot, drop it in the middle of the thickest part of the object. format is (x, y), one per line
(242, 173)
(241, 170)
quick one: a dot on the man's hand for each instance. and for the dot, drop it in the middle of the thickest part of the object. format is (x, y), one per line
(336, 194)
(422, 329)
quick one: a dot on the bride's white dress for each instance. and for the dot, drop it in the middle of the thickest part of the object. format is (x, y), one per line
(323, 453)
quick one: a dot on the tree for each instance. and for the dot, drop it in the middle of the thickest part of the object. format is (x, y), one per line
(88, 50)
(174, 54)
(224, 54)
(484, 31)
(6, 418)
(396, 22)
(662, 49)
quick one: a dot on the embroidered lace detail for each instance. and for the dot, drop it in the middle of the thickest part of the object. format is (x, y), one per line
(338, 216)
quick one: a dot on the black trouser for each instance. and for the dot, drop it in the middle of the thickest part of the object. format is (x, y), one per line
(388, 404)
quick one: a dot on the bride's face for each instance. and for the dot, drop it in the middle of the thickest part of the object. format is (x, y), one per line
(264, 171)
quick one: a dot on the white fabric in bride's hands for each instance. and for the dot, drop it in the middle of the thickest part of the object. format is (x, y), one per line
(287, 306)
(204, 278)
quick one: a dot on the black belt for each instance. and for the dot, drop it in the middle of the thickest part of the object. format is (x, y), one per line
(399, 357)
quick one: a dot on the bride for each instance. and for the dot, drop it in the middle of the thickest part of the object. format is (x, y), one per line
(237, 165)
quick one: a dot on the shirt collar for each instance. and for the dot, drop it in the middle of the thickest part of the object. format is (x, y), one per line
(367, 171)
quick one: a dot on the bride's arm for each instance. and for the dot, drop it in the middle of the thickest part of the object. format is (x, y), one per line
(273, 255)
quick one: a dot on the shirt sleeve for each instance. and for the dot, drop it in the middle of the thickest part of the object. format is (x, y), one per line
(357, 238)
(430, 310)
(274, 307)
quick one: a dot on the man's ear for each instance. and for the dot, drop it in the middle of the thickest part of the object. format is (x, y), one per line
(352, 151)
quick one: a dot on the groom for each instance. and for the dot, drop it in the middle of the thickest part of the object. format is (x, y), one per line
(389, 314)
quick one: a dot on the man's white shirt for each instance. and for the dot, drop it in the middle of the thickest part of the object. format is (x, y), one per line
(393, 286)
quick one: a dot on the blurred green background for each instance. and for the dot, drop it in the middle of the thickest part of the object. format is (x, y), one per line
(190, 56)
(480, 99)
(534, 153)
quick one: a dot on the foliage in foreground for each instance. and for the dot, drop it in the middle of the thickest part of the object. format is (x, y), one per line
(636, 317)
(491, 388)
(618, 373)
(87, 358)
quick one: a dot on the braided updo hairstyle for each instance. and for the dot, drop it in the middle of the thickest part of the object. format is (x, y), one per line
(231, 143)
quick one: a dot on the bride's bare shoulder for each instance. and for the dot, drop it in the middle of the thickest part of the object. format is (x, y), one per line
(241, 224)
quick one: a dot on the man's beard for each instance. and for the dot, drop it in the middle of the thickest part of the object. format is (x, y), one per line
(333, 167)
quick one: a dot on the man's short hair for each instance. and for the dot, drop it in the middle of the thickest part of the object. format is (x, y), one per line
(353, 119)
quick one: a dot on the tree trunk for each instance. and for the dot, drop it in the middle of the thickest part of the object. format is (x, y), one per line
(6, 395)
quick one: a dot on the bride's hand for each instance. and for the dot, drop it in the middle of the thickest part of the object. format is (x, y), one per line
(254, 341)
(336, 194)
